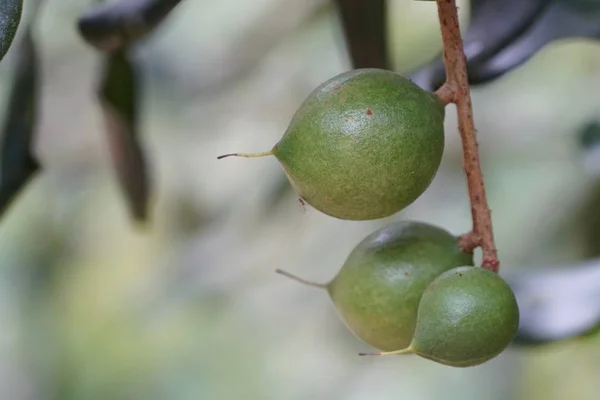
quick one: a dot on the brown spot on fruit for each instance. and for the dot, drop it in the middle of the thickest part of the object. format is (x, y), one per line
(302, 203)
(369, 111)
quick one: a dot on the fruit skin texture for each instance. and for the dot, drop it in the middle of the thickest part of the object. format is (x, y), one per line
(378, 289)
(10, 13)
(467, 316)
(364, 144)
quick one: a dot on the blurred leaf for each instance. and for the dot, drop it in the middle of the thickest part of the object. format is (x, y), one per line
(587, 215)
(557, 303)
(559, 21)
(588, 5)
(505, 34)
(113, 26)
(589, 136)
(119, 97)
(10, 17)
(589, 144)
(494, 24)
(364, 25)
(18, 162)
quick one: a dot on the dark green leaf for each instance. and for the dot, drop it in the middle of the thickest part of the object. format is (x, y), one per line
(119, 98)
(589, 136)
(365, 29)
(495, 24)
(559, 21)
(18, 162)
(505, 34)
(10, 17)
(112, 27)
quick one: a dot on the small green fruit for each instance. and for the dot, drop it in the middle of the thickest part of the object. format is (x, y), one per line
(377, 291)
(467, 316)
(363, 145)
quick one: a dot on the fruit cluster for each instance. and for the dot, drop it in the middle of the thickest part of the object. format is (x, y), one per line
(364, 145)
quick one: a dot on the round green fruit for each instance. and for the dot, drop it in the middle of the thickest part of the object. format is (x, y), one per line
(467, 316)
(377, 291)
(363, 145)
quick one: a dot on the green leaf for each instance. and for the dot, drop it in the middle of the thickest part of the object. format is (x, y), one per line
(18, 162)
(112, 27)
(119, 99)
(10, 17)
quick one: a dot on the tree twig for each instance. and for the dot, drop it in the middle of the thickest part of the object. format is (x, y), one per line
(456, 90)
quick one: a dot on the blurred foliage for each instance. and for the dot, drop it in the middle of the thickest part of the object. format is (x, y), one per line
(115, 25)
(94, 309)
(119, 96)
(18, 163)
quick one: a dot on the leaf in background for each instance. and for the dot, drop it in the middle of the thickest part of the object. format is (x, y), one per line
(112, 27)
(559, 21)
(589, 144)
(589, 135)
(557, 303)
(18, 162)
(10, 17)
(364, 24)
(119, 99)
(495, 24)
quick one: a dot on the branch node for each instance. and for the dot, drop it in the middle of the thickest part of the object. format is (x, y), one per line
(445, 94)
(469, 242)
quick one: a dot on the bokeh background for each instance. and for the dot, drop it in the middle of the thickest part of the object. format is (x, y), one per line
(92, 307)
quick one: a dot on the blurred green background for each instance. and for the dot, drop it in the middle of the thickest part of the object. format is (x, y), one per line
(93, 308)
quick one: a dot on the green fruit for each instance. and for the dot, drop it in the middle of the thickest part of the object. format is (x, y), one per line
(467, 316)
(363, 145)
(377, 291)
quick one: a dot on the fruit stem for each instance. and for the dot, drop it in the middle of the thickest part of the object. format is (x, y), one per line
(445, 94)
(456, 90)
(247, 155)
(407, 350)
(301, 280)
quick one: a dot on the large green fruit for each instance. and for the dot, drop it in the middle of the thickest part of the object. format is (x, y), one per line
(378, 289)
(467, 316)
(363, 145)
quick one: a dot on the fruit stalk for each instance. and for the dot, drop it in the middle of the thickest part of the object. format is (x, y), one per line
(456, 90)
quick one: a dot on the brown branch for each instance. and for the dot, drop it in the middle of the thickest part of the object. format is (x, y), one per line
(456, 90)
